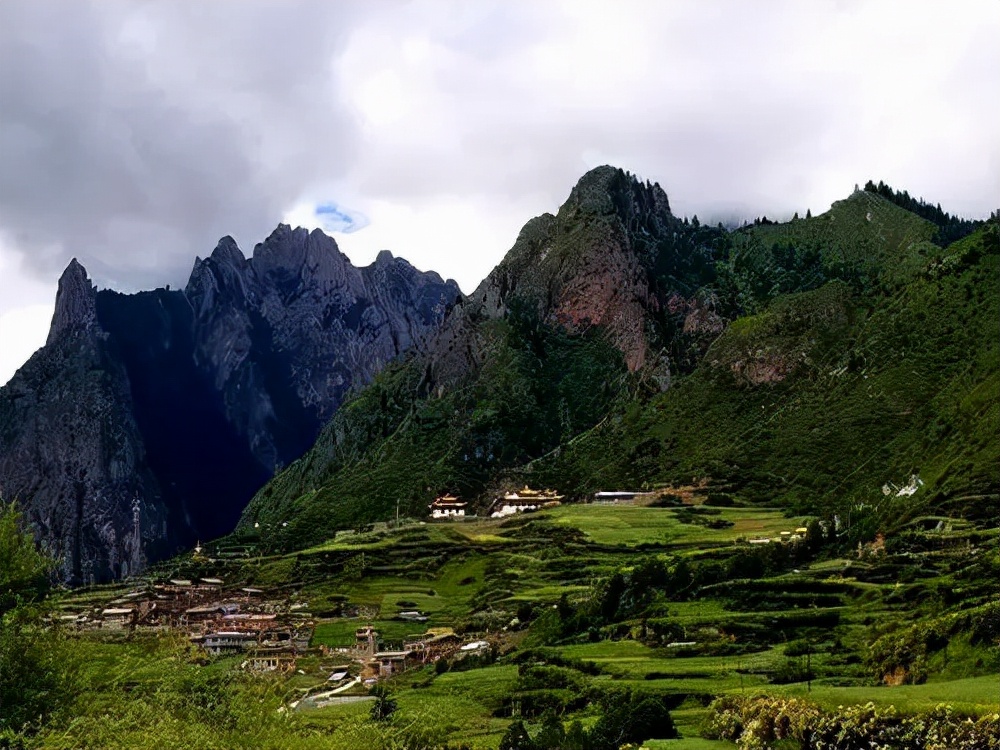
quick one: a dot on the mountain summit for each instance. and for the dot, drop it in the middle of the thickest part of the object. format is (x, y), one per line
(75, 302)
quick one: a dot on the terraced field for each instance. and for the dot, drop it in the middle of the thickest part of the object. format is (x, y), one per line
(583, 603)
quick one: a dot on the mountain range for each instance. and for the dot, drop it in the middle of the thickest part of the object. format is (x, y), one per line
(147, 420)
(829, 363)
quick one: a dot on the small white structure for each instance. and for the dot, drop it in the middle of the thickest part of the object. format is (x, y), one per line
(520, 501)
(447, 506)
(412, 615)
(619, 497)
(475, 646)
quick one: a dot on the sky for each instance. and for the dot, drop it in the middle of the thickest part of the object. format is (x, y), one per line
(133, 135)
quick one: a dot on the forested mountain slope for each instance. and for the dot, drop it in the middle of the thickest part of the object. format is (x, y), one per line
(616, 346)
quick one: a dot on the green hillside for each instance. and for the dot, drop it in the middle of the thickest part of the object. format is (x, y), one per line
(855, 357)
(825, 396)
(532, 371)
(813, 407)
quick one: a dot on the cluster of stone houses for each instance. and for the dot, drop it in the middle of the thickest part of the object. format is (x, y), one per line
(222, 622)
(378, 662)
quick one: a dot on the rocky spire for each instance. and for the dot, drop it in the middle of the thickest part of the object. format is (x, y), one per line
(227, 251)
(76, 302)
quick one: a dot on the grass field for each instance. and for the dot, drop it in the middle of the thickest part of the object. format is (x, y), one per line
(975, 695)
(633, 525)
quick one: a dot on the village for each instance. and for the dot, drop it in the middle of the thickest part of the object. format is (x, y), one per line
(265, 630)
(271, 631)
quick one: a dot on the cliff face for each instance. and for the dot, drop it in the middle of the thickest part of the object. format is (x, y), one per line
(148, 420)
(286, 334)
(71, 452)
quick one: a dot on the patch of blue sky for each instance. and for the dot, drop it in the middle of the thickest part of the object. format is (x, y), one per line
(334, 218)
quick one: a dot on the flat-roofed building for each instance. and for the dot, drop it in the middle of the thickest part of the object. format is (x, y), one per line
(447, 506)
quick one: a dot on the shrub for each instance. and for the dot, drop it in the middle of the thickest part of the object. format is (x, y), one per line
(759, 722)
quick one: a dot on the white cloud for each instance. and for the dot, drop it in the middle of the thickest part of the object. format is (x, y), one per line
(135, 135)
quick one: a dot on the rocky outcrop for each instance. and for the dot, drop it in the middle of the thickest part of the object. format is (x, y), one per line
(71, 454)
(614, 260)
(75, 309)
(149, 420)
(286, 334)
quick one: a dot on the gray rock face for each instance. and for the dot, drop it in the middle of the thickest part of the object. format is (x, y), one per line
(149, 420)
(286, 334)
(71, 453)
(76, 308)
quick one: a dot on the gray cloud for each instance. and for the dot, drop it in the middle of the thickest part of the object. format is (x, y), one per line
(135, 134)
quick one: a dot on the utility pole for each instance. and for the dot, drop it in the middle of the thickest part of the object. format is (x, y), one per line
(397, 512)
(809, 674)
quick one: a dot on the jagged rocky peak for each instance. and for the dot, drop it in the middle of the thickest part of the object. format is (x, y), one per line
(386, 266)
(223, 271)
(593, 263)
(203, 392)
(227, 251)
(298, 253)
(76, 307)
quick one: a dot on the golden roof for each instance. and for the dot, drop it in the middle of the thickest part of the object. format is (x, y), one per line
(447, 499)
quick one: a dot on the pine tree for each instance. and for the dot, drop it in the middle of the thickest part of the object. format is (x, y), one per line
(517, 738)
(552, 734)
(576, 737)
(384, 705)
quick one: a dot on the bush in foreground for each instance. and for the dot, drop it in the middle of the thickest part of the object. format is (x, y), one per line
(757, 723)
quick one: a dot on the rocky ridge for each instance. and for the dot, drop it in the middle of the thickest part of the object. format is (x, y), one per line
(148, 420)
(614, 259)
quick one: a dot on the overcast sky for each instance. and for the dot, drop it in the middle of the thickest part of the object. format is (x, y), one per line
(133, 135)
